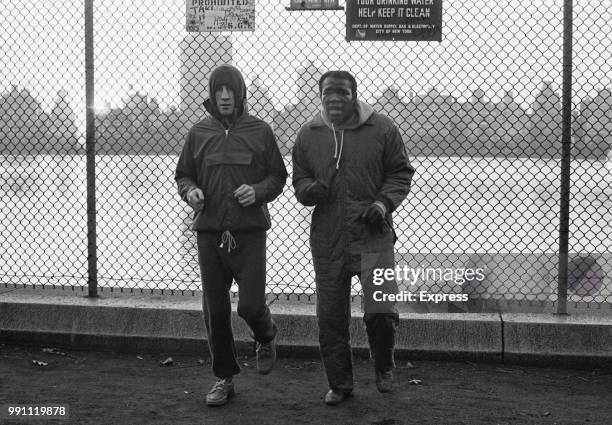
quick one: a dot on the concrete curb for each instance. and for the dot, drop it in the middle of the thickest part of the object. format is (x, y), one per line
(569, 340)
(147, 323)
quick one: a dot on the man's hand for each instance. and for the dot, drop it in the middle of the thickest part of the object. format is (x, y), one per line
(245, 195)
(317, 192)
(374, 217)
(195, 199)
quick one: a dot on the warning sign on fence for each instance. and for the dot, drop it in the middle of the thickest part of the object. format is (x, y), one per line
(413, 20)
(220, 15)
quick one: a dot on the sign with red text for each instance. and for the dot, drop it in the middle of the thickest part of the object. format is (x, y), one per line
(220, 15)
(411, 20)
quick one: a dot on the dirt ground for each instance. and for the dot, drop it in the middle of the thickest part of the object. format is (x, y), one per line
(112, 388)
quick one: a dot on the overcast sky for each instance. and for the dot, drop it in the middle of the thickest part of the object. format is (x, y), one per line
(492, 45)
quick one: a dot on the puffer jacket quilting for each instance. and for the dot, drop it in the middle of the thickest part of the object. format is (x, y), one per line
(373, 166)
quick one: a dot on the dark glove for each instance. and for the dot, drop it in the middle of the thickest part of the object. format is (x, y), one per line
(316, 192)
(374, 217)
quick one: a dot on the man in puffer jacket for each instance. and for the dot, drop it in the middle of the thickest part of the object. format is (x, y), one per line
(230, 167)
(350, 162)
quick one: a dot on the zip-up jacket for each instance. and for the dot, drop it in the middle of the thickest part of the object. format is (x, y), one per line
(218, 159)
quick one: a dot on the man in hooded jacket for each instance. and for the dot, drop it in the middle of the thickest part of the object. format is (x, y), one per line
(350, 163)
(229, 169)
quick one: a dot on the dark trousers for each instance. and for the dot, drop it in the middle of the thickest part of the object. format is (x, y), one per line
(245, 263)
(333, 283)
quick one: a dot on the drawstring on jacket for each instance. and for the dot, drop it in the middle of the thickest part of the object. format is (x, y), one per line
(338, 154)
(228, 238)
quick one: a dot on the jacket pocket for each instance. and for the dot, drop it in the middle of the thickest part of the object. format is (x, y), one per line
(229, 158)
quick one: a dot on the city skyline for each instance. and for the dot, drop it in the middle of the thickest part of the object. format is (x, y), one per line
(431, 125)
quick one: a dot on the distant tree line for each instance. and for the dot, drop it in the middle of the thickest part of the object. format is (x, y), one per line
(25, 129)
(432, 124)
(141, 128)
(439, 125)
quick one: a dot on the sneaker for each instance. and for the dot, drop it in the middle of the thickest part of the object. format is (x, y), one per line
(220, 393)
(266, 356)
(384, 381)
(335, 397)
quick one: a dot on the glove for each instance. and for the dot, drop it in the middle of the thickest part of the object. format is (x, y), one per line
(316, 192)
(374, 217)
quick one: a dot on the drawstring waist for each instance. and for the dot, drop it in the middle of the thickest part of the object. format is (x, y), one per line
(228, 239)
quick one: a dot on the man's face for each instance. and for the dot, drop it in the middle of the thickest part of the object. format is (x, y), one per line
(224, 98)
(337, 99)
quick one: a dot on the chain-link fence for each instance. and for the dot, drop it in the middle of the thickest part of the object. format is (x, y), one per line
(480, 114)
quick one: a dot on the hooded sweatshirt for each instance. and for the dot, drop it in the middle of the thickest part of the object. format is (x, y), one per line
(361, 162)
(230, 76)
(220, 155)
(362, 113)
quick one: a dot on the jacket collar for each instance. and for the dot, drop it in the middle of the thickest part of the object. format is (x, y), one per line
(364, 115)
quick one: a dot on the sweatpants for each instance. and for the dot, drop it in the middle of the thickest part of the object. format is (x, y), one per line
(220, 263)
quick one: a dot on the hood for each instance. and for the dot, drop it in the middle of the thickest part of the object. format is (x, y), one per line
(364, 112)
(231, 77)
(362, 115)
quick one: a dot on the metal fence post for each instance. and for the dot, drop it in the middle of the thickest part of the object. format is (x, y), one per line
(90, 148)
(565, 157)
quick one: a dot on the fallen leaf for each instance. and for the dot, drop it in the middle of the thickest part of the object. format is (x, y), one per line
(53, 351)
(168, 362)
(292, 367)
(39, 363)
(415, 382)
